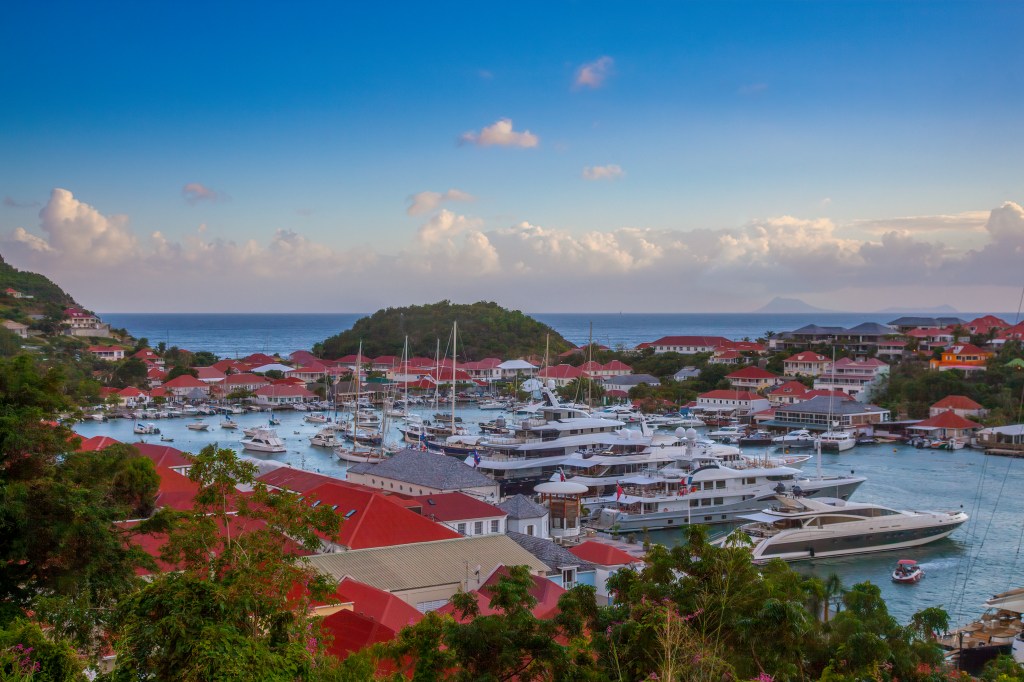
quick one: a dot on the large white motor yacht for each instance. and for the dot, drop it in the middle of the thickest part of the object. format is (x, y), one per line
(801, 528)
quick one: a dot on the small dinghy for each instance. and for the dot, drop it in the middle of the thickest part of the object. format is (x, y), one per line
(907, 571)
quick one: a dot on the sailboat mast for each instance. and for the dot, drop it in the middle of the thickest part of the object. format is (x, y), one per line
(355, 408)
(455, 355)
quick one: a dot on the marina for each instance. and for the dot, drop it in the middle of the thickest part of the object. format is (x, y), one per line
(976, 561)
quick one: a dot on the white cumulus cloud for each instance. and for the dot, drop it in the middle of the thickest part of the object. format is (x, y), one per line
(425, 202)
(501, 134)
(106, 265)
(593, 74)
(608, 172)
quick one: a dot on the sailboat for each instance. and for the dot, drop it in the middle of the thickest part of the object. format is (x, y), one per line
(458, 441)
(352, 454)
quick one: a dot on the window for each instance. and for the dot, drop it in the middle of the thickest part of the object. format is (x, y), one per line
(478, 528)
(530, 529)
(568, 578)
(462, 528)
(494, 525)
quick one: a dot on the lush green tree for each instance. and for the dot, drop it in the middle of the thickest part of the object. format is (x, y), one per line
(511, 644)
(227, 614)
(180, 370)
(129, 372)
(26, 653)
(582, 390)
(63, 556)
(10, 343)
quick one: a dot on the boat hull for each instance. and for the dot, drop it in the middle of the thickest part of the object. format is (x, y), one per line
(824, 545)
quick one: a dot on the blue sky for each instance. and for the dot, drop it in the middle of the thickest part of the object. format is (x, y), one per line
(733, 151)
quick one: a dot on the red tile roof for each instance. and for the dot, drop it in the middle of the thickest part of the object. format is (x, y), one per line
(296, 480)
(725, 394)
(603, 554)
(455, 506)
(176, 490)
(184, 381)
(949, 420)
(381, 606)
(751, 373)
(825, 392)
(543, 590)
(370, 519)
(209, 373)
(351, 632)
(559, 372)
(957, 402)
(807, 356)
(162, 455)
(259, 359)
(789, 388)
(131, 392)
(96, 443)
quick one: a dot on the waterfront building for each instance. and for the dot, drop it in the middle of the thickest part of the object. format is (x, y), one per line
(819, 414)
(464, 514)
(421, 472)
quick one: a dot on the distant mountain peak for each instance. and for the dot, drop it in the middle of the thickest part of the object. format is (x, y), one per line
(790, 305)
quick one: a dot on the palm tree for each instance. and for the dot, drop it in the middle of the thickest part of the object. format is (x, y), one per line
(834, 591)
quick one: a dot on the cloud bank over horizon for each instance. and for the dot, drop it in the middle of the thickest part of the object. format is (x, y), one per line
(109, 265)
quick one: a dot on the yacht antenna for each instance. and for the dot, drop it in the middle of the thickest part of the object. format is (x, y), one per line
(455, 355)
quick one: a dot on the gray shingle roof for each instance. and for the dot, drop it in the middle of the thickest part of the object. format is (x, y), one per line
(829, 405)
(429, 469)
(554, 556)
(870, 328)
(522, 507)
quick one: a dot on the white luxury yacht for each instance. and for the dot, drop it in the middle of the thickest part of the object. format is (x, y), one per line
(707, 485)
(801, 528)
(264, 440)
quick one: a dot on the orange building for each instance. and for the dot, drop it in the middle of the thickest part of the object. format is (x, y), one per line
(963, 356)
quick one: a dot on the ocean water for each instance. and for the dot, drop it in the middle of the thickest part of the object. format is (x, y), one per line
(239, 334)
(981, 558)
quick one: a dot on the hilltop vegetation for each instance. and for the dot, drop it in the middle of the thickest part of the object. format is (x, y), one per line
(485, 330)
(47, 298)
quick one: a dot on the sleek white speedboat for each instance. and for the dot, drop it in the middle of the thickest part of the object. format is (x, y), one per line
(230, 424)
(145, 429)
(264, 440)
(805, 528)
(316, 418)
(198, 425)
(798, 438)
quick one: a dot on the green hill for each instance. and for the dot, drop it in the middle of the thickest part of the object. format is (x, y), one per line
(485, 330)
(47, 297)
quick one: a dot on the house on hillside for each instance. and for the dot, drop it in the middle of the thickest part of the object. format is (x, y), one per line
(960, 405)
(17, 328)
(753, 379)
(854, 377)
(806, 363)
(108, 353)
(965, 357)
(687, 345)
